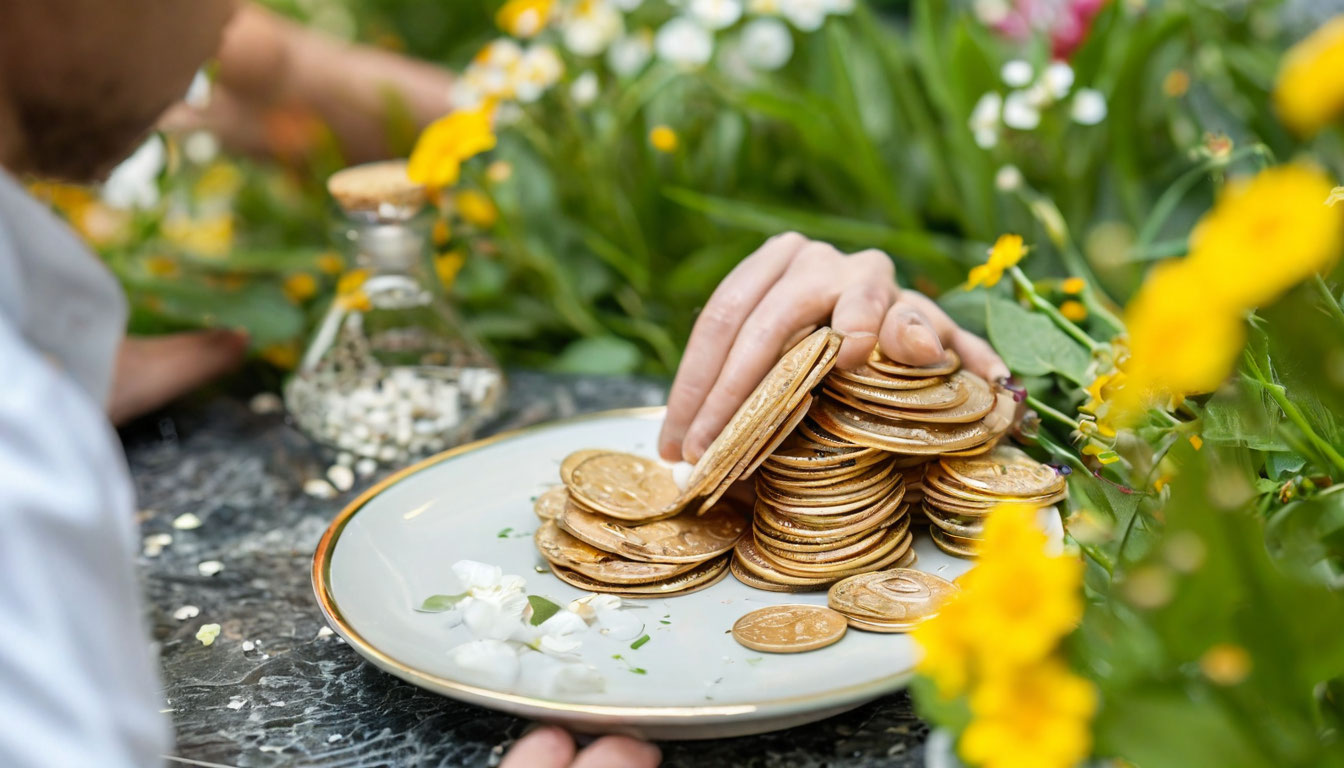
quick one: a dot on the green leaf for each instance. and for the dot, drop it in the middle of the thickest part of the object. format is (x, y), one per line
(440, 603)
(1306, 533)
(542, 609)
(635, 646)
(1031, 344)
(602, 355)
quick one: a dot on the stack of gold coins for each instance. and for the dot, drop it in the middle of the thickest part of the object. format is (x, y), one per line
(897, 600)
(960, 491)
(914, 411)
(825, 510)
(622, 524)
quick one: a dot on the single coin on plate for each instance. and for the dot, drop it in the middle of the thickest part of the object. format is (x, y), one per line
(551, 502)
(1005, 471)
(626, 487)
(900, 595)
(789, 628)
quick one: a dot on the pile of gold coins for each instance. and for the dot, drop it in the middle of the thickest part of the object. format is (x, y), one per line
(960, 491)
(621, 524)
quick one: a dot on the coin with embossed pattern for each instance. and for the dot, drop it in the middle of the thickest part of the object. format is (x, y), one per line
(685, 538)
(573, 460)
(560, 548)
(900, 595)
(551, 502)
(625, 486)
(1005, 471)
(789, 628)
(881, 362)
(704, 575)
(945, 394)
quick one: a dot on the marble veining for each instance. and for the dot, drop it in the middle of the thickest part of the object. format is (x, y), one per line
(276, 689)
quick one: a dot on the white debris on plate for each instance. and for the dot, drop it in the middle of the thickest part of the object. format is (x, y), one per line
(155, 542)
(186, 612)
(186, 522)
(209, 567)
(341, 476)
(319, 488)
(207, 634)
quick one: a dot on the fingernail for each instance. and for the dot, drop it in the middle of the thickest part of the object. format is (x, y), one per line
(670, 449)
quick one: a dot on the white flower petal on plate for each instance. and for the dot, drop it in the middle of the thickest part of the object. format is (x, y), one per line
(488, 662)
(492, 619)
(475, 575)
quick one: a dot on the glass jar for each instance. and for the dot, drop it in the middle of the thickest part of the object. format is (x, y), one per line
(391, 372)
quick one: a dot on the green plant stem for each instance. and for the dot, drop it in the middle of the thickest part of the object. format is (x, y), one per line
(1295, 415)
(1331, 303)
(1046, 410)
(1166, 204)
(1059, 451)
(1039, 302)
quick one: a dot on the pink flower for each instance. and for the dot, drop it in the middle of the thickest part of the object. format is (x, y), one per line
(1067, 22)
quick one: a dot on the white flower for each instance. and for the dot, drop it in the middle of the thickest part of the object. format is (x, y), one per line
(630, 53)
(488, 662)
(984, 122)
(550, 676)
(1008, 178)
(606, 611)
(502, 53)
(840, 7)
(807, 15)
(557, 636)
(683, 42)
(476, 575)
(135, 182)
(1019, 113)
(494, 606)
(766, 43)
(716, 14)
(539, 69)
(590, 26)
(1089, 106)
(584, 88)
(1058, 79)
(1017, 73)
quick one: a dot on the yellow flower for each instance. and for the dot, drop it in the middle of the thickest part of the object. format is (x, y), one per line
(299, 287)
(447, 265)
(1197, 442)
(330, 263)
(442, 233)
(1176, 83)
(1309, 91)
(1013, 608)
(1073, 310)
(162, 266)
(1007, 251)
(1266, 235)
(664, 139)
(447, 142)
(499, 171)
(1033, 717)
(1182, 340)
(1225, 664)
(208, 236)
(524, 18)
(220, 181)
(350, 291)
(477, 209)
(1073, 285)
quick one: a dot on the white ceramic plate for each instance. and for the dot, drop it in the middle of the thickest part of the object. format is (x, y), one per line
(394, 546)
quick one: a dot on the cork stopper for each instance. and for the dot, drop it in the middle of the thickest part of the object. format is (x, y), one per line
(379, 190)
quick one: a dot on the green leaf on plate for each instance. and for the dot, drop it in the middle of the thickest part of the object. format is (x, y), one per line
(440, 603)
(542, 609)
(635, 646)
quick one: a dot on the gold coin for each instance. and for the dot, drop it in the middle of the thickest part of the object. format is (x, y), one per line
(814, 479)
(897, 436)
(789, 628)
(879, 361)
(889, 628)
(551, 502)
(961, 526)
(749, 557)
(786, 543)
(702, 576)
(952, 489)
(869, 376)
(900, 595)
(860, 486)
(1005, 471)
(823, 507)
(944, 394)
(984, 447)
(573, 460)
(685, 538)
(831, 483)
(625, 486)
(756, 582)
(813, 432)
(891, 539)
(839, 526)
(952, 544)
(779, 435)
(562, 549)
(979, 400)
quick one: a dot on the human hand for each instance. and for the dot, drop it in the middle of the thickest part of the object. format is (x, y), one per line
(777, 295)
(552, 747)
(152, 371)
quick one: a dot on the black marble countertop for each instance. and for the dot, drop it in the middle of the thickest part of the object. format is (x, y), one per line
(276, 688)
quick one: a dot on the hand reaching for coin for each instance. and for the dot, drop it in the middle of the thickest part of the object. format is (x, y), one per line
(789, 286)
(551, 747)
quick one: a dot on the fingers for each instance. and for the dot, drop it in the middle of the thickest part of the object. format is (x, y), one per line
(715, 331)
(978, 357)
(861, 307)
(150, 372)
(546, 747)
(916, 331)
(619, 752)
(805, 295)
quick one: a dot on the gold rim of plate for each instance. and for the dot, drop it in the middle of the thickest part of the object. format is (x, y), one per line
(597, 713)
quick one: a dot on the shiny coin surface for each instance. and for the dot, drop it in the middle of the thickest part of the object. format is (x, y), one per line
(899, 595)
(701, 576)
(897, 436)
(866, 374)
(1005, 471)
(749, 557)
(685, 538)
(625, 486)
(881, 362)
(789, 628)
(953, 545)
(562, 549)
(573, 460)
(944, 394)
(551, 502)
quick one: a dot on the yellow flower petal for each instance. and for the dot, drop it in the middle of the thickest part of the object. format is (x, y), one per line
(664, 139)
(1309, 91)
(448, 142)
(477, 209)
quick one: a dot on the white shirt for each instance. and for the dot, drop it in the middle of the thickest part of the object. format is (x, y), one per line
(78, 682)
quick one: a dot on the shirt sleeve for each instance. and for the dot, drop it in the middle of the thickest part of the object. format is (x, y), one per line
(78, 684)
